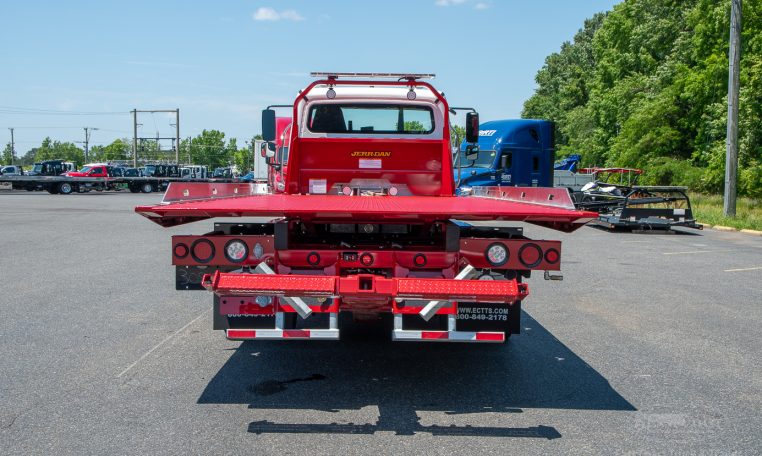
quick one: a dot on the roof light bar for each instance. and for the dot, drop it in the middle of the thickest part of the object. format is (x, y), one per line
(335, 75)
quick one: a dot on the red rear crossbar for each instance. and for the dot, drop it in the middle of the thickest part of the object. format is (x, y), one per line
(365, 286)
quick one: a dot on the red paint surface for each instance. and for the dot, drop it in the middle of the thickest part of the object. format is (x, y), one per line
(393, 209)
(367, 287)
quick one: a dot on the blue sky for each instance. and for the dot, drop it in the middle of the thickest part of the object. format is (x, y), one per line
(221, 62)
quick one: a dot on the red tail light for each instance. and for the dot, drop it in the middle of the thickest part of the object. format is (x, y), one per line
(366, 259)
(202, 250)
(530, 255)
(181, 250)
(313, 259)
(552, 256)
(419, 260)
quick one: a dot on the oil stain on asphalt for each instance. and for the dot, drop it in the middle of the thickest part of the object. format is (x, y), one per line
(270, 387)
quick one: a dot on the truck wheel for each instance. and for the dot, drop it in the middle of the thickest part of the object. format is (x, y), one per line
(134, 188)
(65, 188)
(52, 189)
(147, 187)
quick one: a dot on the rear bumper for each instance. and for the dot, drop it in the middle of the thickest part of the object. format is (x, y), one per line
(362, 287)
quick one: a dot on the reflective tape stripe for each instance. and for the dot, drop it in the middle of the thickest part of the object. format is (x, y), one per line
(448, 336)
(293, 334)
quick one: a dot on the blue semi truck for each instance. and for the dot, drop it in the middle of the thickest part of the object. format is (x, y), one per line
(515, 152)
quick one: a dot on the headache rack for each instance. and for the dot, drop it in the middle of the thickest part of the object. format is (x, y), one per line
(399, 76)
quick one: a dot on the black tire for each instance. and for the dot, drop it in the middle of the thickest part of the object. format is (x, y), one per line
(52, 189)
(146, 187)
(65, 188)
(134, 188)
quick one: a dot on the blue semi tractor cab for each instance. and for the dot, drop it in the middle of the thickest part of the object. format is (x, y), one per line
(516, 152)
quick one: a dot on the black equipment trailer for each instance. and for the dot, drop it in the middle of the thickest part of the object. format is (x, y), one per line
(641, 208)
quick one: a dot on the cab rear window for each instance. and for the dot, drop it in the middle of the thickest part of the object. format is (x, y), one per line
(371, 119)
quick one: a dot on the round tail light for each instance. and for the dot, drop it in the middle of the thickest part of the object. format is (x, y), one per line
(236, 251)
(419, 260)
(313, 258)
(552, 256)
(366, 259)
(530, 255)
(202, 250)
(181, 250)
(497, 254)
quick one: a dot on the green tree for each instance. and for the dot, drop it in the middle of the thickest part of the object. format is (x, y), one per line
(7, 157)
(209, 148)
(645, 85)
(119, 149)
(55, 150)
(457, 135)
(242, 159)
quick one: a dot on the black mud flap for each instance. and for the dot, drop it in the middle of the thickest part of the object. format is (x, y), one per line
(189, 277)
(473, 316)
(242, 321)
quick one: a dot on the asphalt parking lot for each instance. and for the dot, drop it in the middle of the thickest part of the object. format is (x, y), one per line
(650, 344)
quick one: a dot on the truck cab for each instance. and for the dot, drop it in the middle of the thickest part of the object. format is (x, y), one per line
(162, 171)
(511, 153)
(276, 153)
(51, 168)
(11, 170)
(91, 170)
(194, 172)
(224, 172)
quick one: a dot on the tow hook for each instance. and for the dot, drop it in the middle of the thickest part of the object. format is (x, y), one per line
(549, 276)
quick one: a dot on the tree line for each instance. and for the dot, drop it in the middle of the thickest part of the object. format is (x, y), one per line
(208, 148)
(645, 86)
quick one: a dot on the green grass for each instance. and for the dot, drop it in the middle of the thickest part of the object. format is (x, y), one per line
(708, 209)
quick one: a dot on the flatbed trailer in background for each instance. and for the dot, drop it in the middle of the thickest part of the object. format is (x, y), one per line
(644, 208)
(73, 184)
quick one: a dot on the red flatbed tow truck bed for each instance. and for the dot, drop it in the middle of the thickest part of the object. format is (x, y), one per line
(559, 215)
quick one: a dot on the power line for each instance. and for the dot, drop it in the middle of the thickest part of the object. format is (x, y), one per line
(68, 127)
(43, 111)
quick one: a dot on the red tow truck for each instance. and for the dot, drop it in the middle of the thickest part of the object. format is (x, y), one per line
(276, 154)
(368, 223)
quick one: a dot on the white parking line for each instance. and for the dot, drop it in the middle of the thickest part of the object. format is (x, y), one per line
(756, 268)
(695, 251)
(162, 343)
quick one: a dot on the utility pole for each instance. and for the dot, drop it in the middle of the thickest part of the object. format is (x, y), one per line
(731, 141)
(87, 142)
(177, 136)
(158, 138)
(13, 145)
(134, 138)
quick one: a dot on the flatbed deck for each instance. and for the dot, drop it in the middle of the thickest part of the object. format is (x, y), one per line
(558, 213)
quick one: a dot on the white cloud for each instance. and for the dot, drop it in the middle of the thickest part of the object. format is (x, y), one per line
(449, 2)
(291, 15)
(479, 5)
(266, 13)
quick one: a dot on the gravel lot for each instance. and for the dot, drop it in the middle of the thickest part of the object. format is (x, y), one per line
(651, 344)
